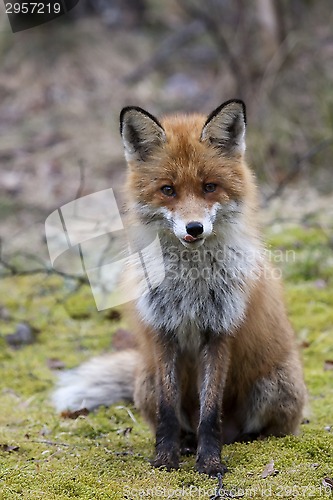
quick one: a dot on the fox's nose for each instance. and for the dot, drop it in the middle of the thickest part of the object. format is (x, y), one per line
(194, 229)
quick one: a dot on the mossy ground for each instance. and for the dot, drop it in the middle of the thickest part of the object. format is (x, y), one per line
(97, 456)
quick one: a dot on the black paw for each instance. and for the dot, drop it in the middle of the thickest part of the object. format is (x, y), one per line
(212, 468)
(166, 461)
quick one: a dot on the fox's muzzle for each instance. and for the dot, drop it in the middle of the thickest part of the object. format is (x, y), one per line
(194, 229)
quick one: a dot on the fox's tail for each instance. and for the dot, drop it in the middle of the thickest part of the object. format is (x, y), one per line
(100, 381)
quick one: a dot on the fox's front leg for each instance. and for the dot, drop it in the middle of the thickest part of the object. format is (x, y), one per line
(168, 402)
(213, 369)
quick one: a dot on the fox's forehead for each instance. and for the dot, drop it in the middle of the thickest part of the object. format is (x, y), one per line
(183, 128)
(185, 157)
(183, 147)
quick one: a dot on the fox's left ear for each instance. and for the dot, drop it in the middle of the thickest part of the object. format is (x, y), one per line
(141, 132)
(225, 127)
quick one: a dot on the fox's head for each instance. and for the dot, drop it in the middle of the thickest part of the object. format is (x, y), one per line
(188, 172)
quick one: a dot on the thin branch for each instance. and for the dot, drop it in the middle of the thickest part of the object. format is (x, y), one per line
(296, 169)
(14, 271)
(166, 50)
(213, 29)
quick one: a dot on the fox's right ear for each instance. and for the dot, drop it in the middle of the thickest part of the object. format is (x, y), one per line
(141, 133)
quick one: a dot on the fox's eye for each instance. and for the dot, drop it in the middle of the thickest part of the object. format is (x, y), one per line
(168, 190)
(210, 187)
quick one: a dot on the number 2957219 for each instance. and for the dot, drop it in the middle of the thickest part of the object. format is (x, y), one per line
(33, 8)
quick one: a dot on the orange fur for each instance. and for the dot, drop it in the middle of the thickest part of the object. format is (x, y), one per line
(262, 346)
(217, 359)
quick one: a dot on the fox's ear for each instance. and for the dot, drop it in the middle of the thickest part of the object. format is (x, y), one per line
(141, 133)
(225, 127)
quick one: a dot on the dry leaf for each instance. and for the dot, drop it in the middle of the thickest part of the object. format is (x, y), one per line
(75, 414)
(269, 470)
(113, 315)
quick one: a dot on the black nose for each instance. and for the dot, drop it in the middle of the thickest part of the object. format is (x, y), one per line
(194, 228)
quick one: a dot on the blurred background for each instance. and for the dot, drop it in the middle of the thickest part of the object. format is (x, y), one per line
(62, 85)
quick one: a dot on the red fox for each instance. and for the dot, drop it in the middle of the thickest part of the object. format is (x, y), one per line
(217, 359)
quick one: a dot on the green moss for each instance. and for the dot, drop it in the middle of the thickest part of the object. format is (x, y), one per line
(303, 252)
(296, 236)
(92, 457)
(81, 305)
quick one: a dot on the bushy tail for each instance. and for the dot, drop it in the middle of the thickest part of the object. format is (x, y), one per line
(100, 381)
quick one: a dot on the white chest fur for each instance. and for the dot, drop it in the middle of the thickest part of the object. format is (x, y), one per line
(204, 290)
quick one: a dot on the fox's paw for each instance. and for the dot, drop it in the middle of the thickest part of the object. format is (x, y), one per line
(167, 461)
(212, 467)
